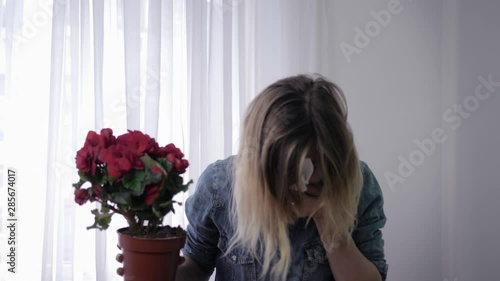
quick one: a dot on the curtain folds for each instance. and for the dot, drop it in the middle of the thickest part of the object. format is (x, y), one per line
(166, 67)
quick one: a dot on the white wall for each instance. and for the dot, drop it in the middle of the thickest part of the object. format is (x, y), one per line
(393, 86)
(476, 221)
(443, 220)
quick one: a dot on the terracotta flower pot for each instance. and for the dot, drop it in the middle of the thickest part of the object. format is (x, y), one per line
(149, 259)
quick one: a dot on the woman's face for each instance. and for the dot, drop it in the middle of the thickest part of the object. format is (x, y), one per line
(315, 182)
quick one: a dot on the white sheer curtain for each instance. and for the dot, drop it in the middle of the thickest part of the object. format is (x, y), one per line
(182, 71)
(128, 65)
(149, 65)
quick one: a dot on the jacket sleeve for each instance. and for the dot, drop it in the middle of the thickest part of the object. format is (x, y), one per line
(202, 233)
(371, 219)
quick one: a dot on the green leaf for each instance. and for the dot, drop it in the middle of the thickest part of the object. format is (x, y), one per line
(166, 207)
(111, 180)
(159, 213)
(139, 206)
(166, 164)
(148, 161)
(151, 177)
(124, 197)
(178, 180)
(83, 176)
(99, 177)
(78, 185)
(186, 186)
(104, 209)
(166, 204)
(101, 221)
(104, 220)
(133, 181)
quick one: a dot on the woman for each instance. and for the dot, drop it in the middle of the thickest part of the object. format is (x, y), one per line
(296, 203)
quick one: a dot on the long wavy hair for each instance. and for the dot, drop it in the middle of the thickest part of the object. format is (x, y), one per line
(281, 124)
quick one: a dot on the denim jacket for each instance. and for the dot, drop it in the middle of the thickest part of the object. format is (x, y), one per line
(209, 231)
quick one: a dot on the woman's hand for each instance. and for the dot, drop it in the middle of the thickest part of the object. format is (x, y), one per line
(311, 205)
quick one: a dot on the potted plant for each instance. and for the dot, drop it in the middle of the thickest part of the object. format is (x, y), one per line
(131, 175)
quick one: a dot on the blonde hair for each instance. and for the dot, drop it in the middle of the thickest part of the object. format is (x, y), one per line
(282, 123)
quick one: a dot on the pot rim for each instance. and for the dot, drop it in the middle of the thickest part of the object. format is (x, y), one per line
(173, 237)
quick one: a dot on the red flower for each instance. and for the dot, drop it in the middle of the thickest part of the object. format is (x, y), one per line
(171, 148)
(92, 139)
(181, 165)
(179, 168)
(106, 139)
(161, 152)
(136, 163)
(153, 148)
(152, 193)
(175, 157)
(86, 159)
(116, 160)
(135, 141)
(81, 196)
(171, 157)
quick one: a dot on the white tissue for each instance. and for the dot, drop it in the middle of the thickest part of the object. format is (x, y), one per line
(307, 171)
